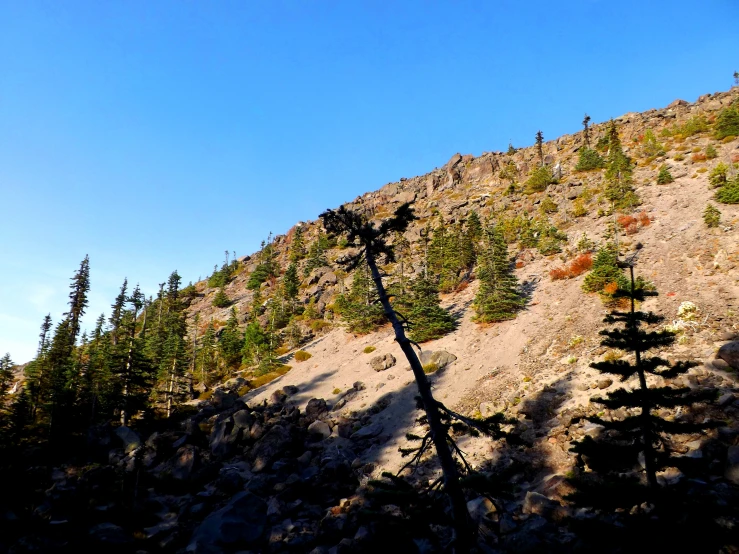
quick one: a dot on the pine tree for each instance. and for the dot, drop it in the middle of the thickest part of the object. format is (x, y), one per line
(360, 308)
(427, 320)
(231, 341)
(209, 355)
(586, 130)
(540, 146)
(619, 188)
(6, 377)
(664, 177)
(588, 158)
(605, 271)
(711, 216)
(117, 310)
(221, 299)
(373, 241)
(317, 254)
(134, 370)
(63, 366)
(173, 355)
(444, 256)
(498, 297)
(645, 429)
(297, 246)
(291, 286)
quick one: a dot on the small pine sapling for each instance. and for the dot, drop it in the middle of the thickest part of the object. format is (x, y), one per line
(664, 177)
(711, 216)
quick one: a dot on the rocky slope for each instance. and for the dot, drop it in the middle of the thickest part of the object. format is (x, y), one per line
(286, 467)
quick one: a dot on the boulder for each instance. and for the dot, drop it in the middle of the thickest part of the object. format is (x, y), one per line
(480, 508)
(243, 419)
(368, 432)
(184, 462)
(238, 524)
(329, 279)
(315, 408)
(536, 503)
(223, 399)
(109, 535)
(223, 437)
(383, 362)
(729, 353)
(441, 358)
(732, 465)
(272, 444)
(129, 437)
(320, 429)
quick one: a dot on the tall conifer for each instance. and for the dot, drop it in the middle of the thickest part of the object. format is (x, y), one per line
(498, 297)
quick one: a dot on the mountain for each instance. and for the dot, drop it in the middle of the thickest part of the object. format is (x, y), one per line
(282, 457)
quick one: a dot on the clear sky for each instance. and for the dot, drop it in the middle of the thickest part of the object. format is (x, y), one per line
(155, 135)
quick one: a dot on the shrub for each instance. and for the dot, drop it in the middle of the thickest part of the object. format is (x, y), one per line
(678, 157)
(589, 160)
(548, 206)
(650, 147)
(220, 300)
(576, 267)
(585, 244)
(626, 220)
(698, 157)
(727, 123)
(711, 216)
(337, 390)
(319, 325)
(644, 219)
(711, 152)
(302, 355)
(369, 349)
(719, 175)
(664, 177)
(579, 209)
(539, 179)
(729, 193)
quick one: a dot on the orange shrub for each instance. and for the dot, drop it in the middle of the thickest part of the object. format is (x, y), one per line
(576, 267)
(625, 220)
(581, 264)
(519, 264)
(644, 219)
(611, 288)
(559, 273)
(631, 229)
(698, 157)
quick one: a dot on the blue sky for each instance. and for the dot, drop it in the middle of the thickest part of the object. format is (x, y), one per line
(155, 135)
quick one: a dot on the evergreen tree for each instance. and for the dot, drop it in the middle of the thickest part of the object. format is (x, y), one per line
(360, 308)
(711, 216)
(6, 377)
(117, 311)
(498, 297)
(444, 260)
(605, 274)
(134, 369)
(645, 428)
(586, 130)
(664, 177)
(209, 356)
(373, 241)
(540, 146)
(231, 341)
(63, 366)
(619, 188)
(173, 358)
(297, 246)
(317, 254)
(221, 299)
(291, 286)
(427, 320)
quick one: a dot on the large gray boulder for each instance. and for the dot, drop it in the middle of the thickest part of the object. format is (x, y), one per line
(441, 358)
(383, 362)
(238, 524)
(129, 437)
(729, 353)
(224, 436)
(270, 446)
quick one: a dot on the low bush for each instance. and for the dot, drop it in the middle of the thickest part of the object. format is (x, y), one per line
(664, 177)
(302, 355)
(540, 179)
(727, 123)
(369, 349)
(576, 267)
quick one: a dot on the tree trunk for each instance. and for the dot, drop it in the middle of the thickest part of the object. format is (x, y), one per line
(646, 409)
(452, 487)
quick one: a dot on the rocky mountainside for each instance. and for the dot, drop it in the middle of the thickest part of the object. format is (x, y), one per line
(287, 466)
